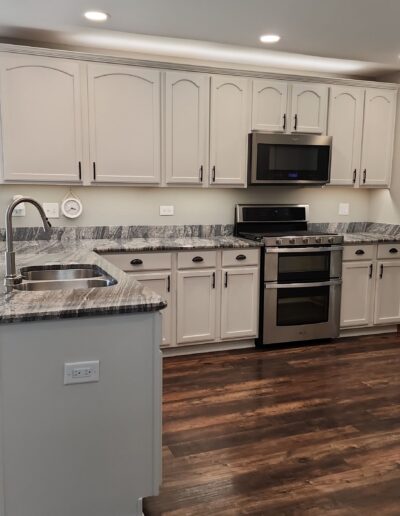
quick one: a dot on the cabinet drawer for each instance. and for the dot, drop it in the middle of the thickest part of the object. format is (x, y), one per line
(386, 251)
(240, 257)
(132, 262)
(197, 259)
(359, 252)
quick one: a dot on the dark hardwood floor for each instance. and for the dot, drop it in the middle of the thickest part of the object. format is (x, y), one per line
(311, 430)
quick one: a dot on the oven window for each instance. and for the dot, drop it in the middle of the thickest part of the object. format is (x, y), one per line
(303, 267)
(292, 162)
(298, 306)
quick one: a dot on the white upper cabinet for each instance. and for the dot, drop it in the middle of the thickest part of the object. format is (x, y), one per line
(378, 137)
(229, 129)
(41, 118)
(345, 125)
(269, 109)
(309, 108)
(186, 127)
(124, 123)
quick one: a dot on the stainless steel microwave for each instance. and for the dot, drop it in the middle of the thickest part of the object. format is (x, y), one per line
(289, 159)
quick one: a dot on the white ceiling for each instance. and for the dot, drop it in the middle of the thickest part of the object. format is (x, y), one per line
(358, 30)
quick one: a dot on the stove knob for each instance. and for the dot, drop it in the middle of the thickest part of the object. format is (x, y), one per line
(331, 240)
(318, 240)
(292, 240)
(305, 240)
(278, 241)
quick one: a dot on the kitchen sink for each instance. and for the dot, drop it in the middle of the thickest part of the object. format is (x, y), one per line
(59, 277)
(70, 273)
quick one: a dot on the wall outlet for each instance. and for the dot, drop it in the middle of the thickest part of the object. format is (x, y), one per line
(344, 208)
(81, 372)
(19, 211)
(166, 210)
(52, 210)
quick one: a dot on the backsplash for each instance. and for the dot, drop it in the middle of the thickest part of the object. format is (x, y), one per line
(201, 231)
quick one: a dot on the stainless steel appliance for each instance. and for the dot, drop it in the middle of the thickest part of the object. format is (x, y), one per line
(301, 273)
(289, 159)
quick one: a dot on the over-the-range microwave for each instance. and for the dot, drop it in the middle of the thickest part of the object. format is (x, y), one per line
(277, 159)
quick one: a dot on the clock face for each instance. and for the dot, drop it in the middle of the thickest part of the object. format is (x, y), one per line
(71, 208)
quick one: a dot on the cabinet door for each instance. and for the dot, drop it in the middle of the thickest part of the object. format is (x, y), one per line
(357, 290)
(124, 121)
(378, 137)
(229, 126)
(309, 108)
(387, 301)
(186, 127)
(196, 306)
(239, 308)
(345, 125)
(40, 118)
(160, 283)
(269, 110)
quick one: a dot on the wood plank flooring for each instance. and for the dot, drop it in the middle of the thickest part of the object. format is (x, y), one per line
(311, 430)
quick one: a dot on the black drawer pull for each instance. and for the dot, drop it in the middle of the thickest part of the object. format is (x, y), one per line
(393, 250)
(360, 251)
(197, 259)
(137, 261)
(240, 257)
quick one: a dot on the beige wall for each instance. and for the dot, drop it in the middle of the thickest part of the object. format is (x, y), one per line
(140, 206)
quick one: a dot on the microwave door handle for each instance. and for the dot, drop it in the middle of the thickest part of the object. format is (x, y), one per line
(293, 250)
(330, 283)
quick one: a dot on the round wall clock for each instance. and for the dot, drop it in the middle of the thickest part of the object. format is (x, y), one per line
(71, 207)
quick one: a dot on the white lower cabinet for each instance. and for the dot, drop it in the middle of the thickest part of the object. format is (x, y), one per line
(357, 291)
(239, 302)
(160, 283)
(196, 304)
(387, 301)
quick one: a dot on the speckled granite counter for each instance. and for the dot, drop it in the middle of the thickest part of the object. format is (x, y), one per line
(369, 238)
(126, 296)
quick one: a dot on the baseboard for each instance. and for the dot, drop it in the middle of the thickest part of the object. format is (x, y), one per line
(369, 330)
(192, 349)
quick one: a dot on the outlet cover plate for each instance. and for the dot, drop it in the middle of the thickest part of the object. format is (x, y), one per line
(52, 210)
(344, 208)
(166, 210)
(81, 372)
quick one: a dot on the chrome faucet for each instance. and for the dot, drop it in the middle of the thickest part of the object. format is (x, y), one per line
(11, 278)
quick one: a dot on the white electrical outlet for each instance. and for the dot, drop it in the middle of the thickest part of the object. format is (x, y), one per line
(52, 210)
(166, 210)
(81, 372)
(19, 211)
(344, 208)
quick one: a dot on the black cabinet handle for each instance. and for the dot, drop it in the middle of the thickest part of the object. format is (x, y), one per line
(360, 251)
(364, 175)
(213, 280)
(80, 170)
(284, 121)
(371, 268)
(240, 257)
(197, 259)
(226, 279)
(213, 174)
(201, 174)
(354, 175)
(168, 283)
(381, 273)
(295, 122)
(94, 170)
(136, 261)
(393, 250)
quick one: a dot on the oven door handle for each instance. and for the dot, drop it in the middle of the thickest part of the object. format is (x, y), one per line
(293, 250)
(304, 285)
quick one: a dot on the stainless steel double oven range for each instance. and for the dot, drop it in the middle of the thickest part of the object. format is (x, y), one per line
(300, 273)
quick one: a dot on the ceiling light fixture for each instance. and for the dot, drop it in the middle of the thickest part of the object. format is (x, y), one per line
(97, 16)
(270, 38)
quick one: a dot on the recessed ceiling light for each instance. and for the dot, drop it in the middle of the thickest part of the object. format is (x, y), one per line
(270, 38)
(98, 16)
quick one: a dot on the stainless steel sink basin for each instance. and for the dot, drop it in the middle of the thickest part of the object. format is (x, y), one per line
(74, 272)
(64, 284)
(59, 277)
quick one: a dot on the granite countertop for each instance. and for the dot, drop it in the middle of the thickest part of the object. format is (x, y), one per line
(127, 296)
(369, 238)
